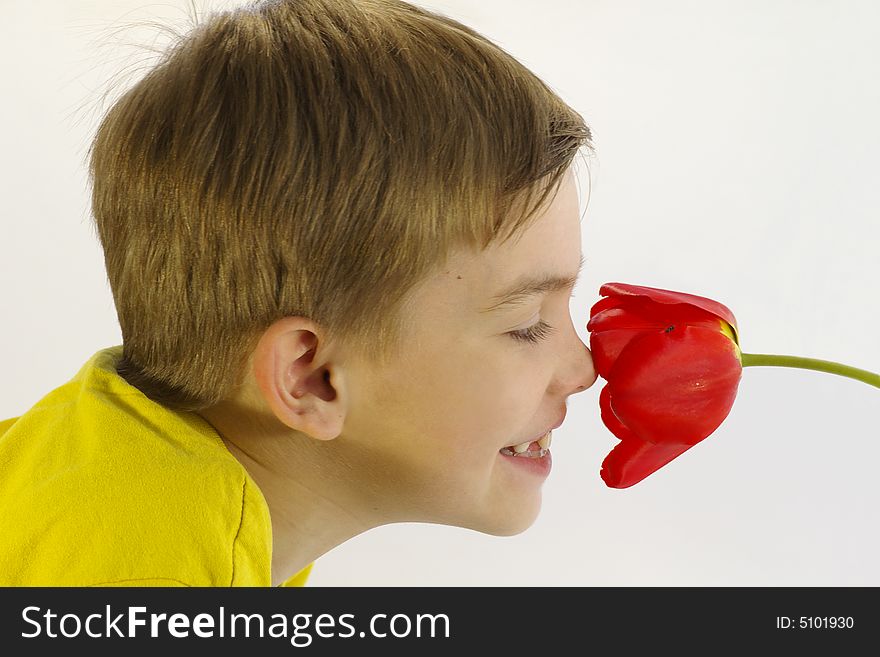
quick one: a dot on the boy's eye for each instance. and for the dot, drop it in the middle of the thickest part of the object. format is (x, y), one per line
(534, 333)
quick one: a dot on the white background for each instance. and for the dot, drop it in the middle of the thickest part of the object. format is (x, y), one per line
(737, 159)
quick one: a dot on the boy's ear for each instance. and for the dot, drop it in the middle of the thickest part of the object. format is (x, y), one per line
(302, 387)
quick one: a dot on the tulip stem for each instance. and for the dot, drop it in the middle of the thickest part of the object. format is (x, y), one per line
(749, 360)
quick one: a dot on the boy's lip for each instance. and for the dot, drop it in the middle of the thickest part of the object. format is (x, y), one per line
(543, 433)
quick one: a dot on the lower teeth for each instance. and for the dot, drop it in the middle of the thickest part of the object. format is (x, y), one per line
(534, 454)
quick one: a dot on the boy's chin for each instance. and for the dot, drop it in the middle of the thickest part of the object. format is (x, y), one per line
(509, 522)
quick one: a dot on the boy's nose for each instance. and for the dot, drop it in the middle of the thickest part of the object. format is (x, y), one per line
(582, 373)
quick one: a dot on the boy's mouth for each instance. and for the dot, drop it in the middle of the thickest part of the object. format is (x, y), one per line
(534, 449)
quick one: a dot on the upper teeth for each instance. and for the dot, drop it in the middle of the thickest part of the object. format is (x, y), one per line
(543, 443)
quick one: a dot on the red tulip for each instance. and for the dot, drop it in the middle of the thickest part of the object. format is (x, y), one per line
(672, 362)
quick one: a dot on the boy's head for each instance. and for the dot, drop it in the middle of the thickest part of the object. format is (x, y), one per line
(307, 209)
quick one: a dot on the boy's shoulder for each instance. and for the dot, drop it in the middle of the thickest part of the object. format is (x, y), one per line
(101, 486)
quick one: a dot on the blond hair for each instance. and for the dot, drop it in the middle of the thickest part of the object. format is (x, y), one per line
(315, 158)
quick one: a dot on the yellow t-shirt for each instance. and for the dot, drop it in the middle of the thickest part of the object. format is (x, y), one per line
(101, 486)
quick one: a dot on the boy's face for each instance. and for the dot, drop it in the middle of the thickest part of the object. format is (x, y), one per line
(430, 427)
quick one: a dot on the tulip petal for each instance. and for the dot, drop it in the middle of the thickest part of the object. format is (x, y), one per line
(612, 328)
(670, 297)
(636, 312)
(633, 460)
(609, 419)
(625, 314)
(606, 347)
(604, 303)
(676, 386)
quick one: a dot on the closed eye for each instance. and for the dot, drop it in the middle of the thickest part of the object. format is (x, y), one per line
(534, 333)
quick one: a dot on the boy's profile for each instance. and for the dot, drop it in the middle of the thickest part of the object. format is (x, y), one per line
(341, 238)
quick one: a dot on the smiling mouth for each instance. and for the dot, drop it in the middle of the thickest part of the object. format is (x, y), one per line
(529, 454)
(535, 449)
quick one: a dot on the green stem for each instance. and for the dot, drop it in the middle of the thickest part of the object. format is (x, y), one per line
(750, 360)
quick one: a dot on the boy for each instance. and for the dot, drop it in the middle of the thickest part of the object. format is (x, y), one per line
(341, 239)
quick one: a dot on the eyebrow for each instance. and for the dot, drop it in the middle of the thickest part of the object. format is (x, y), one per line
(530, 286)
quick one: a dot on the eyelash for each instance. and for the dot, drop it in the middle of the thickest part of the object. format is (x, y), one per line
(534, 333)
